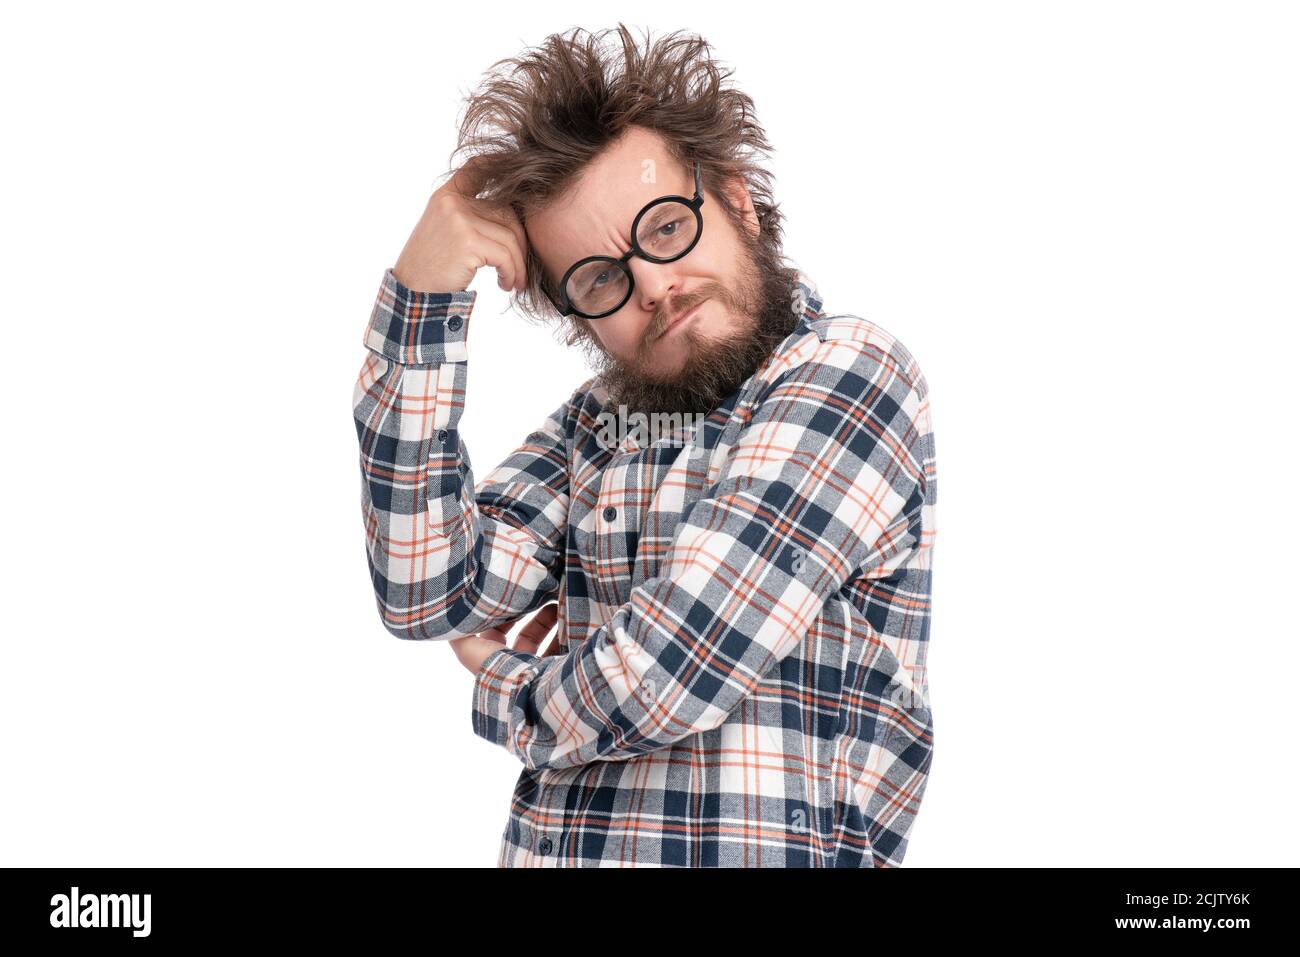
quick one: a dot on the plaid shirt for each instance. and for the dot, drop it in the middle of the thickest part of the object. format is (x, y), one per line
(744, 603)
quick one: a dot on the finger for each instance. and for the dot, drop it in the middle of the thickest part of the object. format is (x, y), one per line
(534, 633)
(491, 252)
(543, 621)
(506, 216)
(499, 232)
(504, 629)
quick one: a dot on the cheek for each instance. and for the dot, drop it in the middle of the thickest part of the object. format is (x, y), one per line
(616, 338)
(715, 250)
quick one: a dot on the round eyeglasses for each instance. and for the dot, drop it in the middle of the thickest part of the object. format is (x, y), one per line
(665, 230)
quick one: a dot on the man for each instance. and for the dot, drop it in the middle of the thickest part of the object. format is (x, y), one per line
(740, 600)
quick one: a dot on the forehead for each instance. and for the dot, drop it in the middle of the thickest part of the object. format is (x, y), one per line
(595, 216)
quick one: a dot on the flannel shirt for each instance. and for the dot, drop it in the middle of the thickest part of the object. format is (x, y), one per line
(744, 603)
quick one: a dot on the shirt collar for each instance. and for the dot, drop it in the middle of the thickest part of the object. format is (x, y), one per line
(806, 292)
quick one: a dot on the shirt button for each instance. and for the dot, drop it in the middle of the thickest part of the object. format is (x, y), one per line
(442, 435)
(453, 323)
(609, 513)
(544, 846)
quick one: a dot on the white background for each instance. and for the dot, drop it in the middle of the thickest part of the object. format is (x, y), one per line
(1081, 218)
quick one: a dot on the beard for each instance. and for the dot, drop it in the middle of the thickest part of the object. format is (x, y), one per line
(715, 367)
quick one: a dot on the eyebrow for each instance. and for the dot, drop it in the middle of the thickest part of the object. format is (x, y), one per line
(627, 233)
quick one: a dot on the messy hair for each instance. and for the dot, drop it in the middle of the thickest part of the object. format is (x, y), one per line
(537, 119)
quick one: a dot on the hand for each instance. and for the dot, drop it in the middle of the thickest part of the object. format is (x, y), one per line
(473, 650)
(458, 234)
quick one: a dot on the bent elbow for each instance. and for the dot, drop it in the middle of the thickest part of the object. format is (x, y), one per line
(412, 627)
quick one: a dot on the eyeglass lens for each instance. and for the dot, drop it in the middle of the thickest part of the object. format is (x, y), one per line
(664, 232)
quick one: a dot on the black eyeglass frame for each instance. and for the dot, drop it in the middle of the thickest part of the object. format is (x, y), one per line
(694, 204)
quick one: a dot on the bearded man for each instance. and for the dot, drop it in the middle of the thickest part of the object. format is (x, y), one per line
(738, 604)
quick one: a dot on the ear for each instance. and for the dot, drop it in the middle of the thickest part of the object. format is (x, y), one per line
(737, 193)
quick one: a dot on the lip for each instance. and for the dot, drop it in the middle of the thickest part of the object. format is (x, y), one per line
(677, 322)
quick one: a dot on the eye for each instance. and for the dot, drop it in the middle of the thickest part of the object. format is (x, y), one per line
(598, 281)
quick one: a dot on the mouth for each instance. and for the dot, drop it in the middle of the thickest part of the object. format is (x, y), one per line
(680, 320)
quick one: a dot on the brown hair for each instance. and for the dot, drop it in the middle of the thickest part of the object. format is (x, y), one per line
(537, 119)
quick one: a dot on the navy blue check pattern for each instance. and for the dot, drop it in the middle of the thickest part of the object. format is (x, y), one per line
(744, 604)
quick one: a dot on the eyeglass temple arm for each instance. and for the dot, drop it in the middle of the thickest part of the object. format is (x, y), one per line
(546, 292)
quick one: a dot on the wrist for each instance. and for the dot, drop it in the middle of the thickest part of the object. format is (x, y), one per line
(419, 328)
(474, 651)
(425, 284)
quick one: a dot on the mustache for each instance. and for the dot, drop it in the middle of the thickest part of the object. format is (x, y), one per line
(667, 313)
(715, 367)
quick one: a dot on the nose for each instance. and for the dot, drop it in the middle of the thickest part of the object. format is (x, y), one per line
(654, 282)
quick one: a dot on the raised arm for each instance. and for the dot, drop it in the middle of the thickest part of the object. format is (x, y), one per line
(445, 560)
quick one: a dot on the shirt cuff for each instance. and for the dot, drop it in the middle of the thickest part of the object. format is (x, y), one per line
(495, 687)
(419, 328)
